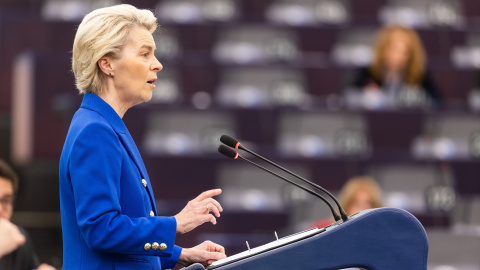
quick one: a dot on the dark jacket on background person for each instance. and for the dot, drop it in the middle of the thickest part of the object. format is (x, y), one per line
(24, 258)
(364, 76)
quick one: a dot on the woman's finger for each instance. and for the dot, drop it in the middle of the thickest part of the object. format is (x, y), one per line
(214, 202)
(208, 218)
(212, 208)
(208, 194)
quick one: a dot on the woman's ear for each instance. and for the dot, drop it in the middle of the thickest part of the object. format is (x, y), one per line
(106, 65)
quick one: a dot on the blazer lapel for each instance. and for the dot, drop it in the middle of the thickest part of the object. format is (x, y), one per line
(95, 103)
(132, 150)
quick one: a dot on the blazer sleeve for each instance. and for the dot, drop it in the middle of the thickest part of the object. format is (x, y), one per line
(95, 172)
(170, 262)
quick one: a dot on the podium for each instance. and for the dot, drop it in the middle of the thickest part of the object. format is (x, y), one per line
(375, 239)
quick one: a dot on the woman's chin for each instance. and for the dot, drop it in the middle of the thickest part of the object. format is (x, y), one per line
(147, 96)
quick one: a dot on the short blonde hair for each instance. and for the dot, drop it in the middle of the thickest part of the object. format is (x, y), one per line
(360, 183)
(103, 32)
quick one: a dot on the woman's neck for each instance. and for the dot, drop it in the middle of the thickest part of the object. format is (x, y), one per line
(112, 97)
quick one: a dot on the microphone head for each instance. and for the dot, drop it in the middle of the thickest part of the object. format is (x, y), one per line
(227, 151)
(227, 140)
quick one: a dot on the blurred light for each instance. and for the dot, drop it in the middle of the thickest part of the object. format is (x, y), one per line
(254, 200)
(444, 148)
(397, 200)
(174, 143)
(466, 57)
(254, 87)
(311, 146)
(72, 10)
(353, 54)
(447, 137)
(219, 10)
(374, 99)
(180, 11)
(237, 52)
(281, 49)
(306, 12)
(444, 13)
(418, 14)
(408, 16)
(288, 93)
(251, 200)
(331, 12)
(290, 14)
(191, 11)
(178, 144)
(248, 45)
(243, 95)
(96, 4)
(65, 10)
(248, 96)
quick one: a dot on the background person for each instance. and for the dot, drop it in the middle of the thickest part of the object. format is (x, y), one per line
(399, 63)
(357, 194)
(108, 210)
(10, 237)
(16, 247)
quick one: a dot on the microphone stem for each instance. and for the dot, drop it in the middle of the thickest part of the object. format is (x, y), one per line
(342, 212)
(335, 215)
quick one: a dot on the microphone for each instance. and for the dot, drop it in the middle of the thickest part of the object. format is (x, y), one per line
(227, 140)
(229, 152)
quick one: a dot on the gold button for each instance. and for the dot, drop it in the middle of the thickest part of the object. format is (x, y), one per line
(144, 182)
(155, 246)
(163, 246)
(152, 214)
(147, 246)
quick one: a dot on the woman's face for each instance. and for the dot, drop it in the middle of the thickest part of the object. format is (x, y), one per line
(136, 70)
(397, 52)
(361, 200)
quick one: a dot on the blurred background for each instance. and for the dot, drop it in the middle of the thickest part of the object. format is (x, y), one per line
(285, 78)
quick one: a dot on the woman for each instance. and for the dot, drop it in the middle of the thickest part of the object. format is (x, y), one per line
(399, 63)
(358, 194)
(108, 209)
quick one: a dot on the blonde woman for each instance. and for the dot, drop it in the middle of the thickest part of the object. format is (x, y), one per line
(358, 194)
(109, 218)
(399, 62)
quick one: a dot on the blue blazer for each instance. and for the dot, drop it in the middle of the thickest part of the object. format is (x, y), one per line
(109, 218)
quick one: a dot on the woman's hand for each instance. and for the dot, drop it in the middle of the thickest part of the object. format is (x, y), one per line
(205, 253)
(198, 211)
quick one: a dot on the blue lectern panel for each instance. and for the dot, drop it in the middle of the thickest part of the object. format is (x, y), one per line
(377, 239)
